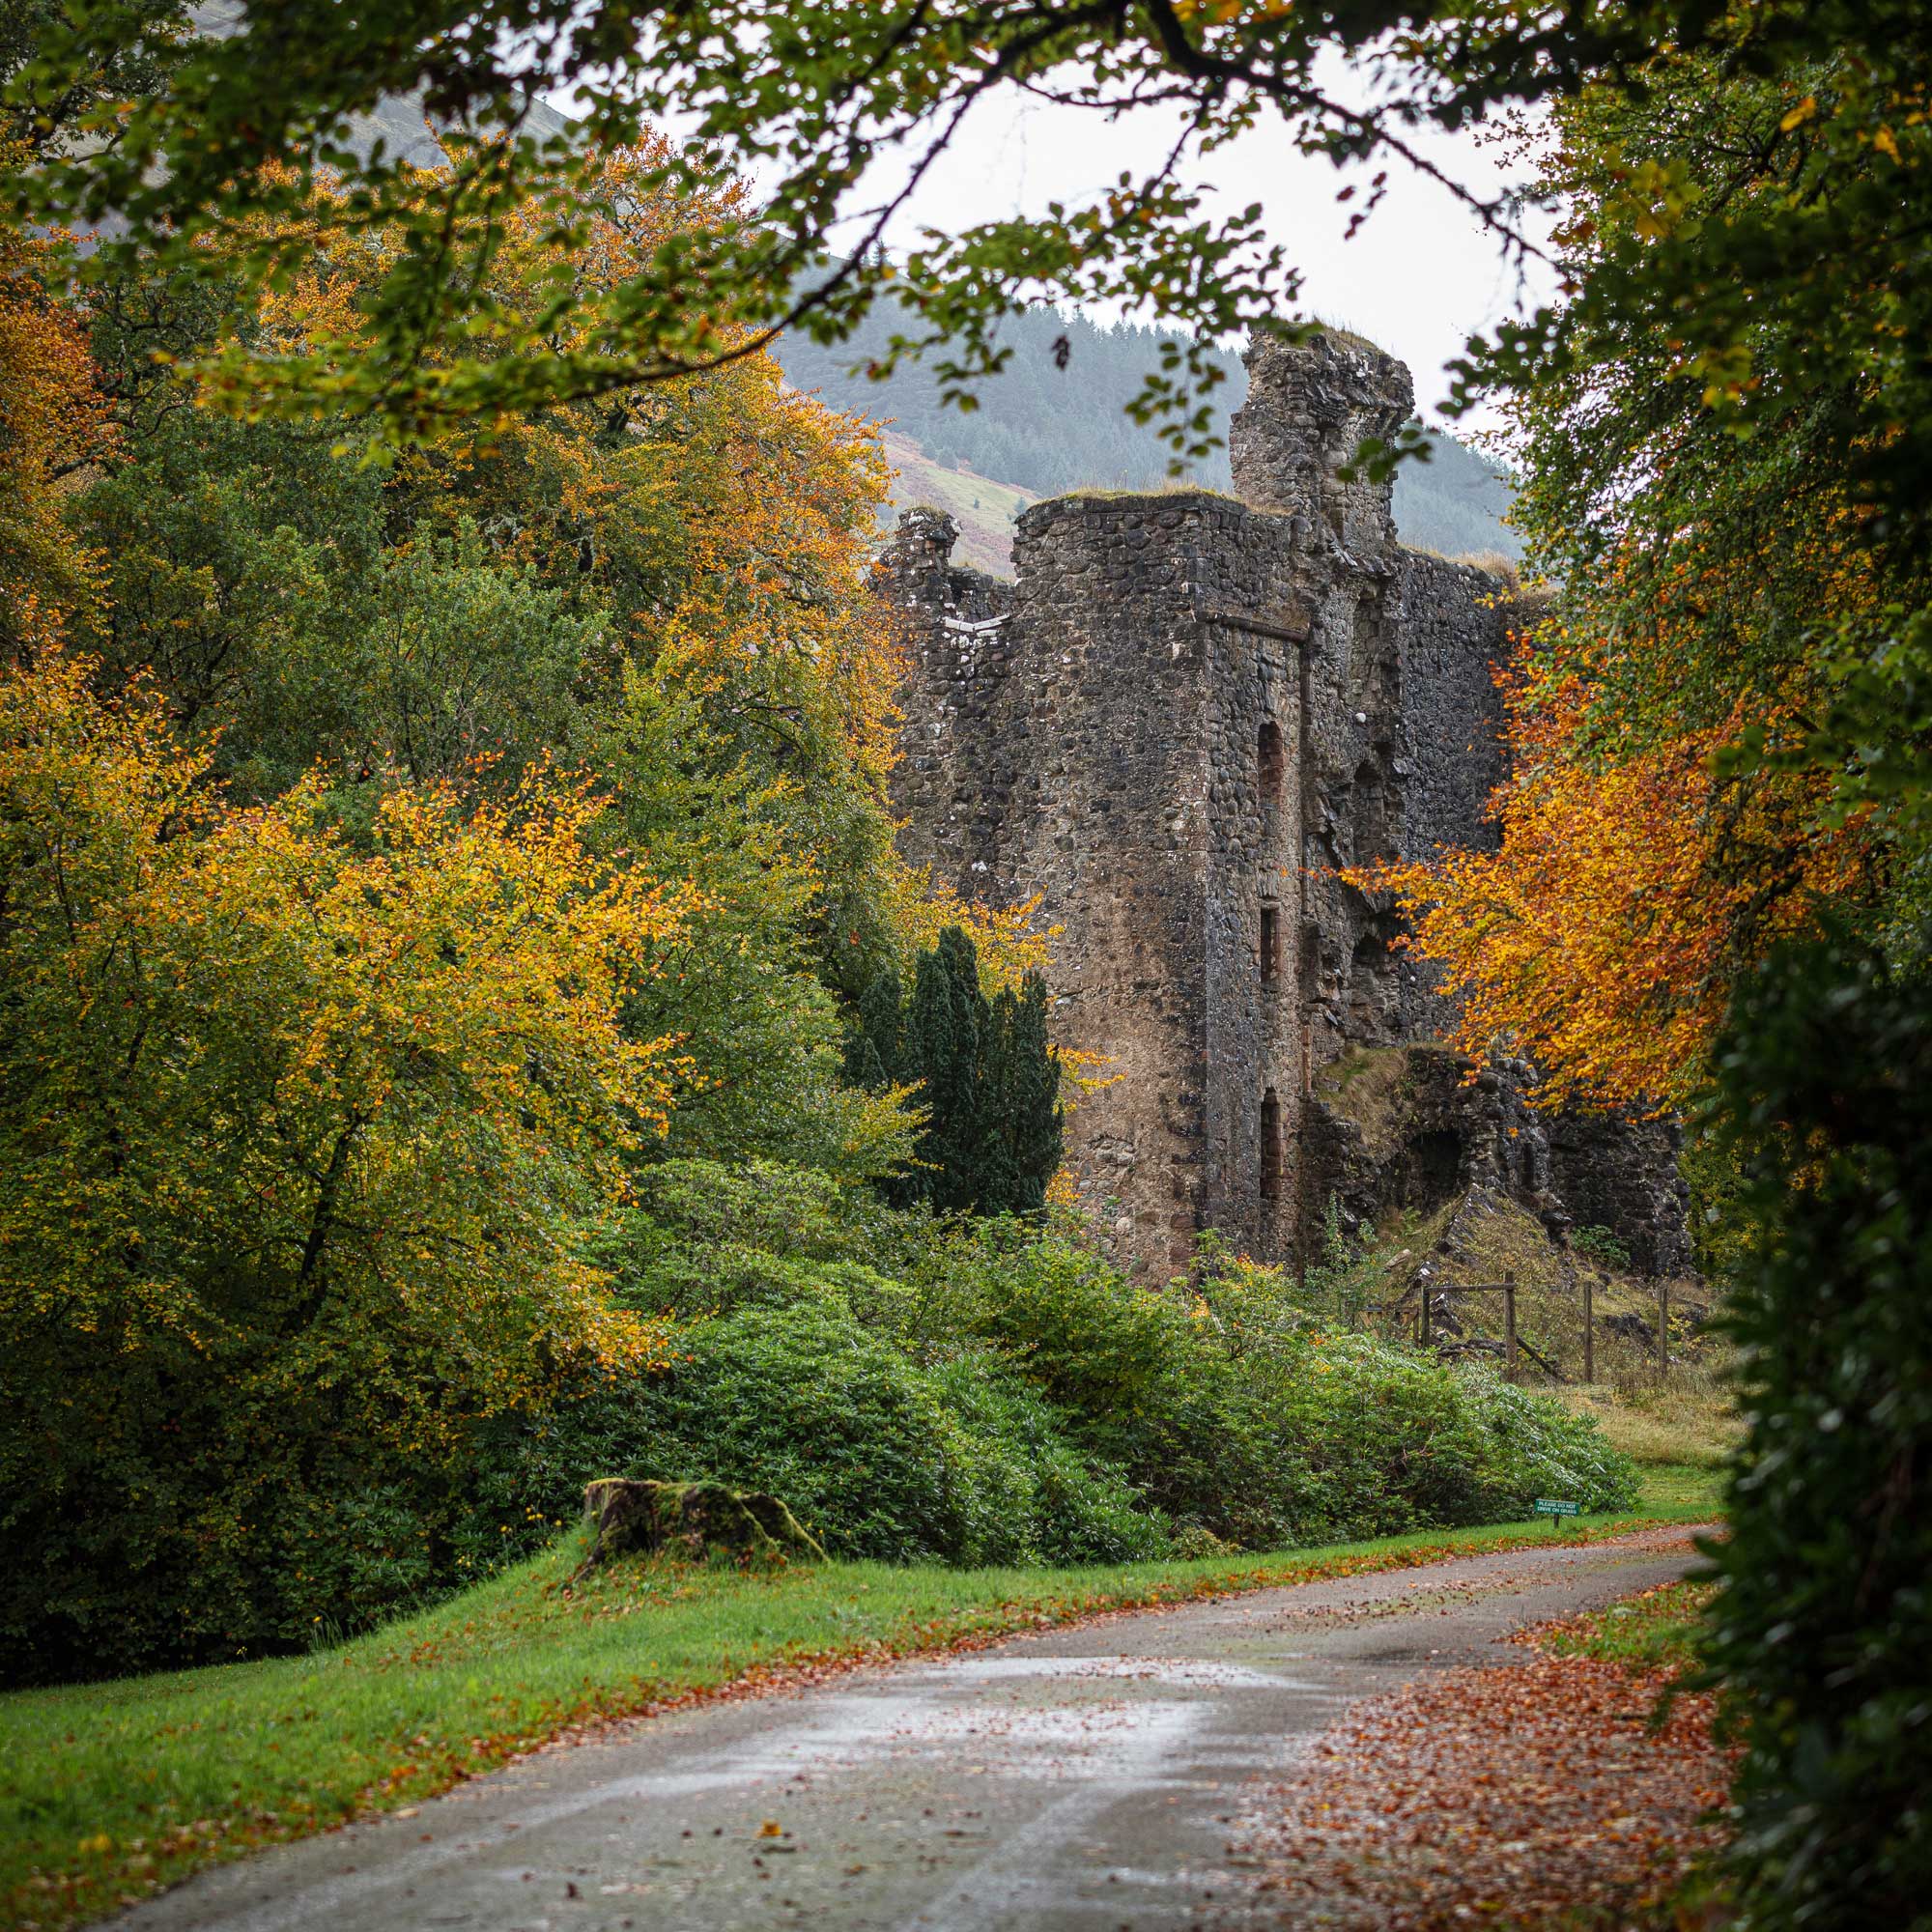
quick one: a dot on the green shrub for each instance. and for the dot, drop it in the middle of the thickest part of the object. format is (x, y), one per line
(1232, 1411)
(701, 1206)
(877, 1455)
(709, 1238)
(802, 1402)
(1600, 1244)
(1821, 1625)
(228, 1509)
(1058, 1506)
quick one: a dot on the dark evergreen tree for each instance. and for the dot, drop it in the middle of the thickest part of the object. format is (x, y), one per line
(947, 1027)
(874, 1051)
(987, 1074)
(1022, 1103)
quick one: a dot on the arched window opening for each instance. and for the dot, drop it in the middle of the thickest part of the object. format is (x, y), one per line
(1368, 984)
(1271, 760)
(1270, 941)
(1270, 1146)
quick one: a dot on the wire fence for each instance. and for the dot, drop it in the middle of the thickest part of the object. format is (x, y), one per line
(1571, 1332)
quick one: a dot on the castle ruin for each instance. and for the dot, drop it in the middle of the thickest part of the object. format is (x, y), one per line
(1177, 724)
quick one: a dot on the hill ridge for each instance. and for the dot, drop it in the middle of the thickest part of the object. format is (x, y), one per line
(1053, 422)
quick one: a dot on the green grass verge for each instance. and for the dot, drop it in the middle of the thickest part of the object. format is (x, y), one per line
(1680, 1491)
(109, 1791)
(1651, 1631)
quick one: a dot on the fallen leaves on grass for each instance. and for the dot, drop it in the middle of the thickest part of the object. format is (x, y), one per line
(1535, 1794)
(1653, 1630)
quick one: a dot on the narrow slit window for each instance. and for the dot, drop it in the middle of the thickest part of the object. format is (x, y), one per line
(1270, 1146)
(1269, 760)
(1270, 941)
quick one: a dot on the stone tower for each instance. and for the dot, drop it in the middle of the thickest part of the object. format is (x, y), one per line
(1188, 713)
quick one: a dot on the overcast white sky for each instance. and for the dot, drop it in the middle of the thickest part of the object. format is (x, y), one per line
(1418, 276)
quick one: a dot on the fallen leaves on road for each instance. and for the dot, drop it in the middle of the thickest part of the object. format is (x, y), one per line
(1530, 1795)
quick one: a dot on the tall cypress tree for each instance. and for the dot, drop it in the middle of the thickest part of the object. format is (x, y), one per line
(1022, 1103)
(946, 1028)
(986, 1073)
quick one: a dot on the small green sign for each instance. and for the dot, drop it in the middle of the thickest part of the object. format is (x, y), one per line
(1549, 1507)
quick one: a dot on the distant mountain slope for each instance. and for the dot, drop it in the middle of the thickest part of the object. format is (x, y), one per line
(1041, 429)
(983, 509)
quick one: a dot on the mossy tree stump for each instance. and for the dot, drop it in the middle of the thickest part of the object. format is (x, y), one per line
(692, 1519)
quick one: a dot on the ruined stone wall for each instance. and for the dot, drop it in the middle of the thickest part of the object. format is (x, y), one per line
(1612, 1171)
(1309, 407)
(1402, 718)
(1100, 749)
(1188, 716)
(951, 784)
(1453, 632)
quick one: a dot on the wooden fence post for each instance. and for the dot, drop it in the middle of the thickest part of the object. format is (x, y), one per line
(1589, 1335)
(1509, 1325)
(1422, 1324)
(1663, 1330)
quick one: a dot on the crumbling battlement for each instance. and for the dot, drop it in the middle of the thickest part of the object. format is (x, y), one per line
(1176, 727)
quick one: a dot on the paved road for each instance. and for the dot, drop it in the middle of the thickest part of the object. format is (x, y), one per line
(1075, 1781)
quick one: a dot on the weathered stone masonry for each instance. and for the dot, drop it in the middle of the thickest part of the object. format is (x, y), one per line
(1187, 713)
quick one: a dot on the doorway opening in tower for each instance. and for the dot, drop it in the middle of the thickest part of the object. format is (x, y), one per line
(1430, 1172)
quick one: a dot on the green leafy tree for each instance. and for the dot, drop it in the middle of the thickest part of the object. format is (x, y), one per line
(305, 1143)
(805, 95)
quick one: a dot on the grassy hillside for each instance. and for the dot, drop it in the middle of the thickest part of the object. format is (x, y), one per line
(983, 509)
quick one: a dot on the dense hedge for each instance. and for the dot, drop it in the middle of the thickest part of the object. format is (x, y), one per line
(993, 1393)
(1823, 1626)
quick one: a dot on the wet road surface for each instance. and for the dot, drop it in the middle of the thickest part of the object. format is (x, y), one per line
(1080, 1780)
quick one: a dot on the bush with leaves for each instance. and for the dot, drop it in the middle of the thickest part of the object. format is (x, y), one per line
(304, 1146)
(991, 1391)
(1232, 1409)
(1821, 1627)
(878, 1455)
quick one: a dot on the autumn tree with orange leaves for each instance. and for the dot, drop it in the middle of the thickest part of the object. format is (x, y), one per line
(1689, 781)
(1714, 883)
(1628, 888)
(402, 852)
(54, 424)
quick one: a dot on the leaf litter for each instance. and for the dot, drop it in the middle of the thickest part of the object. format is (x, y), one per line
(1562, 1792)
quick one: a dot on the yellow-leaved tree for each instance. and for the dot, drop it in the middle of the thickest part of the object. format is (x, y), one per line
(307, 1140)
(1631, 884)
